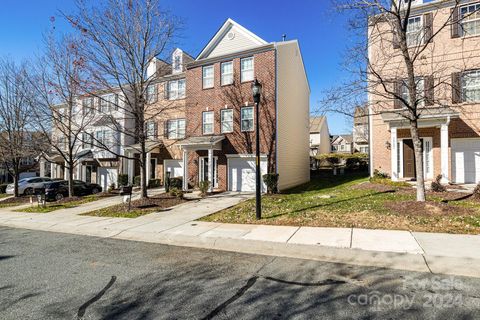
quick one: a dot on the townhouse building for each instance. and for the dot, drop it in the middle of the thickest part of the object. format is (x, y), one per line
(360, 130)
(448, 84)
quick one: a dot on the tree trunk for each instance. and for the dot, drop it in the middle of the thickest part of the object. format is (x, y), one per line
(418, 155)
(70, 178)
(143, 171)
(15, 184)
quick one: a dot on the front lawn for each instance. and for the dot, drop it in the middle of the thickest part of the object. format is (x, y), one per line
(65, 203)
(138, 207)
(351, 200)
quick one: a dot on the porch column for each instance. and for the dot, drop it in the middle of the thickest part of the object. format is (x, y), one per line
(42, 167)
(210, 169)
(149, 166)
(185, 170)
(53, 170)
(131, 168)
(65, 171)
(394, 153)
(444, 152)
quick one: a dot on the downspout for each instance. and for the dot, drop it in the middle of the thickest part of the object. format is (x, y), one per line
(370, 122)
(276, 109)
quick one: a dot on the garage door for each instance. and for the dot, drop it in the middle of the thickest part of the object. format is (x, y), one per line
(466, 160)
(175, 167)
(241, 174)
(107, 177)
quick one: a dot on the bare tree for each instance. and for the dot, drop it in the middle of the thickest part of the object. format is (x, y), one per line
(16, 135)
(398, 63)
(121, 40)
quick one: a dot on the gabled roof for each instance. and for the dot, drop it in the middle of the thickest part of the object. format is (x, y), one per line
(222, 32)
(316, 123)
(348, 138)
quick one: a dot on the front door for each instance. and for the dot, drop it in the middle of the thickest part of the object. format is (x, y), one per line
(88, 174)
(204, 170)
(408, 159)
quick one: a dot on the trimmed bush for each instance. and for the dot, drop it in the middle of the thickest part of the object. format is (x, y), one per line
(380, 175)
(436, 186)
(271, 180)
(176, 183)
(203, 186)
(154, 183)
(136, 181)
(122, 180)
(3, 188)
(175, 192)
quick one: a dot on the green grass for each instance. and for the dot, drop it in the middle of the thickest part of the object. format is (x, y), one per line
(350, 201)
(53, 206)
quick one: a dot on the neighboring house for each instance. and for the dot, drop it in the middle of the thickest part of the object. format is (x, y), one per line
(360, 130)
(342, 143)
(450, 135)
(319, 136)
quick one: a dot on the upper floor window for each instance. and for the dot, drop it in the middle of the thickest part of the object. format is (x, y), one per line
(177, 63)
(471, 86)
(176, 89)
(151, 94)
(176, 129)
(246, 115)
(227, 120)
(246, 69)
(104, 137)
(108, 102)
(226, 73)
(420, 84)
(414, 32)
(88, 105)
(151, 129)
(207, 77)
(470, 19)
(87, 141)
(207, 122)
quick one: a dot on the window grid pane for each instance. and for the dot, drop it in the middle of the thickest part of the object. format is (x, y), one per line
(208, 122)
(247, 119)
(414, 31)
(227, 121)
(471, 86)
(227, 73)
(208, 77)
(470, 19)
(246, 72)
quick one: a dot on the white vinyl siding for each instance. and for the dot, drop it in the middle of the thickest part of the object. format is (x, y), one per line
(246, 119)
(226, 70)
(246, 69)
(470, 19)
(207, 122)
(207, 77)
(471, 86)
(227, 120)
(176, 129)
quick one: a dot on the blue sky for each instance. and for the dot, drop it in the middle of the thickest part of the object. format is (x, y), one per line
(322, 33)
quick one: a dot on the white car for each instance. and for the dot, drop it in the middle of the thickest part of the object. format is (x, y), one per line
(27, 186)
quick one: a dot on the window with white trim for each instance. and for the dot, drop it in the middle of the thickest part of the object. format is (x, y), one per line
(151, 129)
(246, 119)
(227, 120)
(208, 77)
(88, 105)
(246, 69)
(226, 71)
(176, 129)
(108, 102)
(87, 140)
(207, 122)
(470, 19)
(471, 86)
(151, 93)
(420, 84)
(176, 89)
(414, 32)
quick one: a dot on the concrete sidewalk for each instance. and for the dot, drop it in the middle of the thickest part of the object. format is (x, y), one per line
(415, 251)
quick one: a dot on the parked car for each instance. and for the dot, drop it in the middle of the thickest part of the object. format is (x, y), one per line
(57, 190)
(28, 186)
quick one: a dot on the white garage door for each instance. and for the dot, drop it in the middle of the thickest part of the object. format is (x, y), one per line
(107, 177)
(175, 167)
(466, 160)
(241, 174)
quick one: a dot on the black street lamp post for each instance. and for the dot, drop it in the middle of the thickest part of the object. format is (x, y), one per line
(257, 91)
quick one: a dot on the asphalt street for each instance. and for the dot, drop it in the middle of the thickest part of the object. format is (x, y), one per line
(58, 276)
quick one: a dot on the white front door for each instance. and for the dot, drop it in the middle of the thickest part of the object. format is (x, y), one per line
(466, 160)
(241, 174)
(203, 170)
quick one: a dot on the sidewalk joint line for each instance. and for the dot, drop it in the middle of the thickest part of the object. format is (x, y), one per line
(293, 234)
(351, 237)
(423, 250)
(426, 263)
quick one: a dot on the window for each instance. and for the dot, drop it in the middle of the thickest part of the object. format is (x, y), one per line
(176, 129)
(207, 122)
(108, 102)
(87, 141)
(176, 89)
(420, 83)
(103, 137)
(414, 31)
(151, 129)
(227, 120)
(207, 77)
(151, 95)
(227, 73)
(177, 63)
(246, 119)
(471, 86)
(87, 105)
(246, 66)
(470, 19)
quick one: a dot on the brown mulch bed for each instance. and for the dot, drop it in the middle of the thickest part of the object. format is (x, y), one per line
(375, 187)
(427, 209)
(157, 202)
(18, 200)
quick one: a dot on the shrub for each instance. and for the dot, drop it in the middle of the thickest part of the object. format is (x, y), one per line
(204, 186)
(380, 175)
(175, 192)
(111, 187)
(136, 181)
(176, 183)
(437, 186)
(122, 180)
(476, 192)
(154, 183)
(3, 188)
(271, 180)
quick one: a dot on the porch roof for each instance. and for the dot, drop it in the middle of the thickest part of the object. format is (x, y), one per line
(149, 146)
(429, 117)
(202, 142)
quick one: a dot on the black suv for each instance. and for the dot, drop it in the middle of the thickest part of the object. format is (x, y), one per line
(57, 190)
